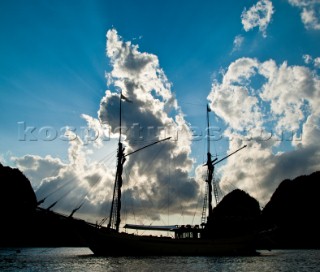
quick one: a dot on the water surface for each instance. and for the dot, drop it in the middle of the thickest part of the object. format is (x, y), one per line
(82, 259)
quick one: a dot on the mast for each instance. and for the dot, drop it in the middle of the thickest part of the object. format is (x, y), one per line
(211, 184)
(210, 167)
(115, 211)
(114, 218)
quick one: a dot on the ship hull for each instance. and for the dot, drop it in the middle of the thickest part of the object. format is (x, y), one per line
(104, 242)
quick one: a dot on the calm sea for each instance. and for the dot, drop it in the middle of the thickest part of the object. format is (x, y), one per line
(82, 259)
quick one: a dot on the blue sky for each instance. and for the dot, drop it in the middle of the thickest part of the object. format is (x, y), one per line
(53, 65)
(53, 54)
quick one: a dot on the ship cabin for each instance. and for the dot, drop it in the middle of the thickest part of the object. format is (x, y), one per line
(187, 232)
(180, 232)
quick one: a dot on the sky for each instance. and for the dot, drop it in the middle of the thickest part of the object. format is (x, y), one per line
(256, 64)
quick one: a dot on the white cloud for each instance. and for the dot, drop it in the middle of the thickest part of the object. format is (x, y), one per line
(284, 108)
(287, 90)
(38, 168)
(258, 15)
(316, 62)
(237, 43)
(154, 113)
(2, 160)
(307, 58)
(310, 12)
(234, 91)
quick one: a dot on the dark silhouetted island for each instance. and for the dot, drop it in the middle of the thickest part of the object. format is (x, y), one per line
(25, 224)
(237, 213)
(292, 213)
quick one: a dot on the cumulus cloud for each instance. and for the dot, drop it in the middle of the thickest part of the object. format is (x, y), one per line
(283, 110)
(310, 12)
(258, 15)
(153, 115)
(155, 179)
(235, 84)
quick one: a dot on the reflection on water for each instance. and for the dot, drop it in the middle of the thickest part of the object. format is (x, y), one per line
(82, 259)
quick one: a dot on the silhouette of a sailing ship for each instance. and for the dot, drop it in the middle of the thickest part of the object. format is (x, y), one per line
(187, 240)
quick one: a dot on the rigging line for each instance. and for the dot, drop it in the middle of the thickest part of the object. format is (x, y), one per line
(168, 187)
(200, 199)
(67, 192)
(163, 206)
(56, 202)
(53, 192)
(156, 154)
(128, 173)
(83, 199)
(124, 207)
(110, 163)
(59, 188)
(108, 157)
(181, 215)
(56, 190)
